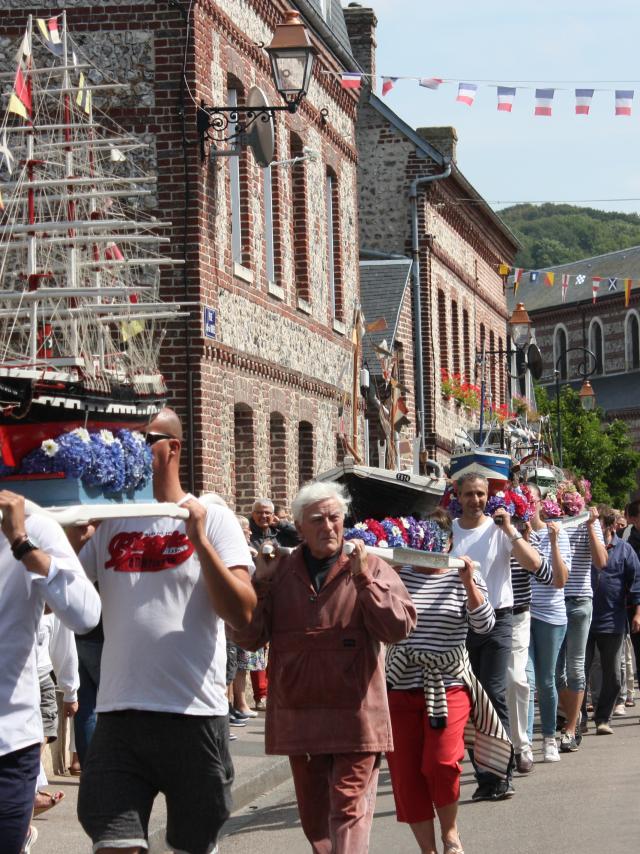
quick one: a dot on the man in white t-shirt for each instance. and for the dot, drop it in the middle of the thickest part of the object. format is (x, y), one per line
(167, 588)
(37, 566)
(491, 541)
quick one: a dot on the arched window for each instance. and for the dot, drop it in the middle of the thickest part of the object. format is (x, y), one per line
(443, 332)
(299, 223)
(305, 453)
(632, 341)
(244, 461)
(466, 346)
(333, 245)
(278, 458)
(596, 343)
(455, 340)
(560, 347)
(501, 395)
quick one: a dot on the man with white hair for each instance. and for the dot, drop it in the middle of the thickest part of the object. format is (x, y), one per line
(266, 526)
(326, 617)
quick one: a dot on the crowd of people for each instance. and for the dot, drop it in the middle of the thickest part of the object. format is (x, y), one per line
(349, 657)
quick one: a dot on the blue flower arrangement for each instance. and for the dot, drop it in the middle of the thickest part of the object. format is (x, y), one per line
(402, 532)
(113, 463)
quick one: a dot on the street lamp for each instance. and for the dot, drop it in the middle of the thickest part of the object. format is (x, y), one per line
(291, 54)
(519, 326)
(587, 394)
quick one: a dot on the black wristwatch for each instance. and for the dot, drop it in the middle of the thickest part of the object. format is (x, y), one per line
(23, 548)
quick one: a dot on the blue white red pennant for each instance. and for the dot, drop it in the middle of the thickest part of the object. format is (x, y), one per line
(544, 102)
(506, 96)
(583, 101)
(624, 99)
(50, 34)
(387, 84)
(467, 93)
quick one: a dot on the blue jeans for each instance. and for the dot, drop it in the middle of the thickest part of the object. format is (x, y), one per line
(18, 774)
(84, 723)
(544, 646)
(570, 667)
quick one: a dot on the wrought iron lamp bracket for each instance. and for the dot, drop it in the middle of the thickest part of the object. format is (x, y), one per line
(214, 124)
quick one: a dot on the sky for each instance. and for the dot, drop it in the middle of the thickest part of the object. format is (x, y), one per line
(516, 157)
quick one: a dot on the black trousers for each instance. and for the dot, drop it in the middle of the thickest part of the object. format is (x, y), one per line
(489, 657)
(610, 648)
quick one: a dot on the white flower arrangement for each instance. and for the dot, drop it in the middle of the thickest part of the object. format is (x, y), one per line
(50, 447)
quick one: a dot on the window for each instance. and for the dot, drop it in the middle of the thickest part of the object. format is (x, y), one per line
(560, 347)
(455, 343)
(305, 453)
(596, 343)
(333, 246)
(267, 201)
(234, 191)
(278, 458)
(299, 221)
(632, 341)
(466, 344)
(244, 461)
(443, 332)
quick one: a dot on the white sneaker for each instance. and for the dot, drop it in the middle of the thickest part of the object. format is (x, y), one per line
(619, 711)
(550, 750)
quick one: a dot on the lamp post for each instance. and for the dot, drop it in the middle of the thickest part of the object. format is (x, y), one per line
(587, 394)
(291, 54)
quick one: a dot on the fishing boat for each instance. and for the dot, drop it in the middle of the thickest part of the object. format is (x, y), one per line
(81, 321)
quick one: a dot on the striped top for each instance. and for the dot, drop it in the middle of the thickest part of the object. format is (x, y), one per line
(547, 603)
(441, 605)
(579, 583)
(521, 579)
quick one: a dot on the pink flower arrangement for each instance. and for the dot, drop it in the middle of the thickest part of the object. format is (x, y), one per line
(551, 509)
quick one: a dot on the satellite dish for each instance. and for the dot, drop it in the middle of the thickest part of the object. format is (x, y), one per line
(261, 137)
(534, 361)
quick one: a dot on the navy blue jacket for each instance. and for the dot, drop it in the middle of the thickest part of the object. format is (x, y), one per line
(615, 587)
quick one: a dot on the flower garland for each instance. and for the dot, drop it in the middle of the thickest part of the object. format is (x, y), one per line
(115, 463)
(516, 500)
(402, 532)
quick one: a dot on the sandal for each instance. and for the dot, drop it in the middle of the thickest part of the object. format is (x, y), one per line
(52, 800)
(453, 847)
(630, 703)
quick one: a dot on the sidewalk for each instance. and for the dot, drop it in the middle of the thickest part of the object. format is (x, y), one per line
(59, 831)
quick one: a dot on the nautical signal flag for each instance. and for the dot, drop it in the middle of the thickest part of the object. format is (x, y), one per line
(595, 287)
(112, 252)
(627, 291)
(583, 101)
(83, 99)
(20, 99)
(517, 278)
(350, 80)
(544, 102)
(431, 82)
(467, 93)
(50, 34)
(387, 84)
(549, 279)
(565, 286)
(624, 99)
(506, 96)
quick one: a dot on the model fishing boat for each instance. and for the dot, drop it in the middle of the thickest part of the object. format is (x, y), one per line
(81, 321)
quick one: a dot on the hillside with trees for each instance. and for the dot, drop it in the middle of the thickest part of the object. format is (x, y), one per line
(557, 234)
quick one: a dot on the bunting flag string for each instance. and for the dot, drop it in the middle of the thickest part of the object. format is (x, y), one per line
(515, 276)
(50, 35)
(466, 91)
(20, 99)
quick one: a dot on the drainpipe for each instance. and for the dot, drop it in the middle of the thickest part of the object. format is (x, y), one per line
(415, 291)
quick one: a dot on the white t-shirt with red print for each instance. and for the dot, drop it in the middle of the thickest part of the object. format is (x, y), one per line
(164, 645)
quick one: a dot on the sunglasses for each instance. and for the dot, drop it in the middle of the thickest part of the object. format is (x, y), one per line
(152, 438)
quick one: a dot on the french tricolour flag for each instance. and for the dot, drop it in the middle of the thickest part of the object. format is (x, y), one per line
(387, 84)
(431, 82)
(350, 80)
(624, 98)
(506, 94)
(467, 93)
(583, 101)
(544, 101)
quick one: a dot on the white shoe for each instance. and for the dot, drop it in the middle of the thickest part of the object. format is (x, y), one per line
(550, 750)
(619, 711)
(32, 835)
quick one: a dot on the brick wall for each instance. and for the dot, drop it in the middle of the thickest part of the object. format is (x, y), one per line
(275, 354)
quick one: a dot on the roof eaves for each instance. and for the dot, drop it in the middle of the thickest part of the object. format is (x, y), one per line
(485, 206)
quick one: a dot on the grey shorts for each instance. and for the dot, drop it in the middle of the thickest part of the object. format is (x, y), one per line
(133, 756)
(49, 708)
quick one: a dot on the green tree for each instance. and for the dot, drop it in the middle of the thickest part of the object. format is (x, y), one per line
(594, 448)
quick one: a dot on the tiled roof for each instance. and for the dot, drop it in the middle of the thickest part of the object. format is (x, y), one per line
(334, 21)
(537, 297)
(382, 289)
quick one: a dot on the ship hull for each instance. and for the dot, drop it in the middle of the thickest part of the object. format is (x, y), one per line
(495, 467)
(375, 493)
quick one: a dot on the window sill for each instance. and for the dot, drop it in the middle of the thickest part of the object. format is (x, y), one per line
(339, 327)
(243, 273)
(304, 306)
(275, 290)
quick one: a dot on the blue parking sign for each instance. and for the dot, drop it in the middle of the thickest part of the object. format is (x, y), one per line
(209, 322)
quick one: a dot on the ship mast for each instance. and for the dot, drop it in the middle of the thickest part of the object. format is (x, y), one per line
(32, 278)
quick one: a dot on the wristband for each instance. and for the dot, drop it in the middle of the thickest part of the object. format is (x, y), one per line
(19, 539)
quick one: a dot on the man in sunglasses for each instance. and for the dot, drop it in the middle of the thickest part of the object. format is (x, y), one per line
(168, 586)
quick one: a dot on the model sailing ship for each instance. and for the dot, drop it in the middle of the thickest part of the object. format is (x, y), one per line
(80, 316)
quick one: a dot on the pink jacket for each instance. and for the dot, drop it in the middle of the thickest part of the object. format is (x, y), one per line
(327, 691)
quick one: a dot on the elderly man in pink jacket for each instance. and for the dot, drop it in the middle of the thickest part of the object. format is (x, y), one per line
(326, 617)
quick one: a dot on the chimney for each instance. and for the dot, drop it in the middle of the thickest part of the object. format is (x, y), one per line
(444, 139)
(361, 26)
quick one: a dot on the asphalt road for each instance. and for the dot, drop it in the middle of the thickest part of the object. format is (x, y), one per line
(585, 804)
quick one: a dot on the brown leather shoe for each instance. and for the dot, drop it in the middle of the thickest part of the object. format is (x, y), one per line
(524, 763)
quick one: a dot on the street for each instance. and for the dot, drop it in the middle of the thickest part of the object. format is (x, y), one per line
(585, 803)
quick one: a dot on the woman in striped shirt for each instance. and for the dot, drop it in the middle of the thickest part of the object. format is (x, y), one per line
(429, 742)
